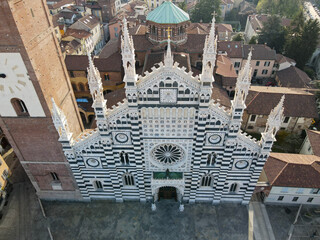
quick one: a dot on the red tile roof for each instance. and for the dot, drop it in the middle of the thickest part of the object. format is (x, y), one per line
(293, 77)
(80, 63)
(293, 170)
(314, 139)
(295, 101)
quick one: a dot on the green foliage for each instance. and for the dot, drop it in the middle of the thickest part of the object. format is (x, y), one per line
(203, 11)
(287, 142)
(238, 37)
(254, 40)
(273, 34)
(232, 15)
(287, 8)
(183, 6)
(310, 72)
(302, 40)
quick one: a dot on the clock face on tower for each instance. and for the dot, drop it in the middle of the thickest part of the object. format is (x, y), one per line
(168, 95)
(15, 84)
(13, 76)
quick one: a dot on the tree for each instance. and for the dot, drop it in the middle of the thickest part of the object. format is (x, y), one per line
(183, 6)
(286, 8)
(237, 37)
(302, 41)
(273, 34)
(203, 11)
(254, 40)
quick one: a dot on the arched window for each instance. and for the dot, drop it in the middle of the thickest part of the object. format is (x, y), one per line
(161, 84)
(54, 176)
(233, 187)
(98, 185)
(124, 158)
(20, 107)
(81, 87)
(74, 87)
(128, 179)
(211, 159)
(206, 181)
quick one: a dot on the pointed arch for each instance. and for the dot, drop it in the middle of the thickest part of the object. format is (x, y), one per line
(206, 181)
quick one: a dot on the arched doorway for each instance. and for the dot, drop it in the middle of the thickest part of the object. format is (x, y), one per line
(167, 193)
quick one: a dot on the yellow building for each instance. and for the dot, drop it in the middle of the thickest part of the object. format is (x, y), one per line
(4, 172)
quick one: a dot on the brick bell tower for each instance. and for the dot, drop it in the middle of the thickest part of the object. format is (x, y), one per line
(32, 73)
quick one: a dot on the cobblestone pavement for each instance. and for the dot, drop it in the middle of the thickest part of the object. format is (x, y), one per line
(22, 218)
(133, 220)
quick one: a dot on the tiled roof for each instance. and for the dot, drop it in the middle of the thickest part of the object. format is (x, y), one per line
(110, 48)
(115, 97)
(222, 27)
(283, 59)
(89, 21)
(194, 44)
(294, 104)
(224, 67)
(198, 28)
(77, 33)
(257, 21)
(232, 48)
(293, 170)
(259, 52)
(168, 13)
(81, 63)
(219, 94)
(314, 138)
(141, 43)
(293, 77)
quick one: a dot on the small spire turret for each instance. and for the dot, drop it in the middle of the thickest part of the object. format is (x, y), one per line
(274, 122)
(168, 58)
(96, 90)
(60, 123)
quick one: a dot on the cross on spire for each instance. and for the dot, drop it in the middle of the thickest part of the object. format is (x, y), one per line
(168, 31)
(214, 14)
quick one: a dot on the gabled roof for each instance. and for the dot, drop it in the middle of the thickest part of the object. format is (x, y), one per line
(314, 139)
(198, 28)
(168, 13)
(222, 27)
(81, 63)
(283, 59)
(293, 170)
(259, 52)
(224, 67)
(295, 101)
(89, 21)
(232, 48)
(77, 33)
(293, 77)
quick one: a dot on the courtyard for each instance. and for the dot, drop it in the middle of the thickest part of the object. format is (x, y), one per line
(133, 220)
(23, 219)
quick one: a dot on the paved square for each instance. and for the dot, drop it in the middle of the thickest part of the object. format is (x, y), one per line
(134, 220)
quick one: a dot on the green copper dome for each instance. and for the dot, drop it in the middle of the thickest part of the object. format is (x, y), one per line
(168, 13)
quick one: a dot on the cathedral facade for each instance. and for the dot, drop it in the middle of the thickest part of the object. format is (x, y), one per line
(168, 137)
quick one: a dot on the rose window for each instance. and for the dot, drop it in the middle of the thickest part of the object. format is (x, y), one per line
(168, 153)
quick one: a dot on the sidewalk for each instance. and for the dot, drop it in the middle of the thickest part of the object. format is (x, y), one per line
(262, 229)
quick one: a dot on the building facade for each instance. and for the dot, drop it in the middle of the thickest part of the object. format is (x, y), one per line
(292, 179)
(167, 137)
